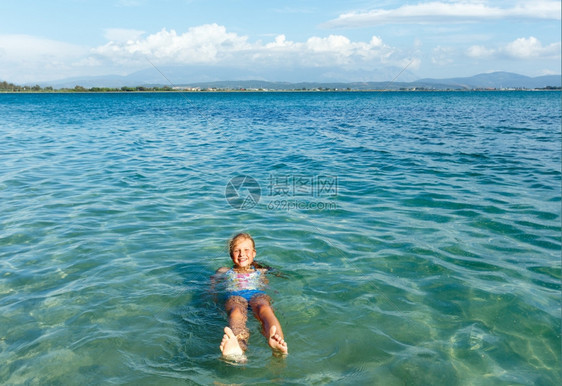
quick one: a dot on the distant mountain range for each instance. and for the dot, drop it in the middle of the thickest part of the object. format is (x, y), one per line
(171, 77)
(494, 80)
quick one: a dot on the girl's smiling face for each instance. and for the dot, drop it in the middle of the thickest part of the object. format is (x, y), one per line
(243, 253)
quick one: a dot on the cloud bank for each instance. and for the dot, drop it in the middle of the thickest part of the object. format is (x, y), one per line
(448, 12)
(211, 48)
(212, 44)
(27, 58)
(521, 48)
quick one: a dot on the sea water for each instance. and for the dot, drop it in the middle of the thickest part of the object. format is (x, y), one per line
(414, 236)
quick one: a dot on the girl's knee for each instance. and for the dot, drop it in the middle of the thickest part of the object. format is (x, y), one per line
(261, 304)
(236, 304)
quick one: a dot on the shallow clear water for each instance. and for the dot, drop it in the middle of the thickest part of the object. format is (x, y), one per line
(416, 236)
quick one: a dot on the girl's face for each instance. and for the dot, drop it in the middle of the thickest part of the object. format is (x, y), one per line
(243, 253)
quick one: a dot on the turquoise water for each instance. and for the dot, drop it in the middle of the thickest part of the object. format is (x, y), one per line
(415, 236)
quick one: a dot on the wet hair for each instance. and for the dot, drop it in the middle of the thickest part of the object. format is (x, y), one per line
(245, 236)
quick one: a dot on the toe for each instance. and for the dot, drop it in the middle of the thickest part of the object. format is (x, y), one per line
(228, 333)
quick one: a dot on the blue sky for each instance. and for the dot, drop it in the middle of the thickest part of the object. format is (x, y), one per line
(291, 40)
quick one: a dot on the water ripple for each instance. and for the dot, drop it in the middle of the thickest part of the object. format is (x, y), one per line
(437, 263)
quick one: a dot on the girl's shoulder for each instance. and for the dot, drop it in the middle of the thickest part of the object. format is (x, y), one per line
(222, 270)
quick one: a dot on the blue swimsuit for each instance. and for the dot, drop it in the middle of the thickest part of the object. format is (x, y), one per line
(244, 284)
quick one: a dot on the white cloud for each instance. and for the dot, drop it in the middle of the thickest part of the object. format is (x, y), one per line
(199, 45)
(521, 48)
(449, 12)
(212, 44)
(531, 48)
(479, 52)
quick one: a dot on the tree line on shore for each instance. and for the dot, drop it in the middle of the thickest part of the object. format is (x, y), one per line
(10, 87)
(5, 86)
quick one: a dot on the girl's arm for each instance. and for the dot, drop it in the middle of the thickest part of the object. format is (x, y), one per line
(216, 277)
(221, 271)
(263, 275)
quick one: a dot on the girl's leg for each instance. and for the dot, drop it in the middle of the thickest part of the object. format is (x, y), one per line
(235, 339)
(271, 328)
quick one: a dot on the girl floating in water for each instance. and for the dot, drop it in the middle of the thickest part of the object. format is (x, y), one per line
(244, 285)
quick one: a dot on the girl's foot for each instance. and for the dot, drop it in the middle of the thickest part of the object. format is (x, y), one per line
(229, 345)
(276, 342)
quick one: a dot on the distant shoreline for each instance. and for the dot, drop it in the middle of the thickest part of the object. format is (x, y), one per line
(494, 81)
(275, 91)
